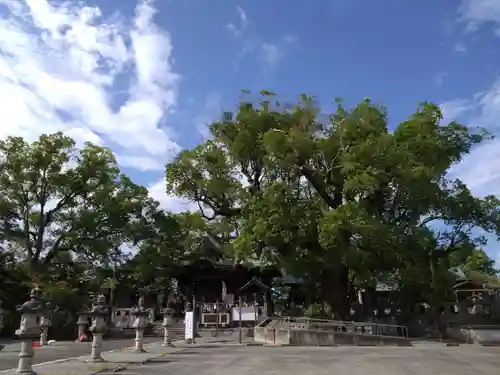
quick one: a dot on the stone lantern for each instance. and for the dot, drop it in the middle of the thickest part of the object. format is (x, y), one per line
(29, 330)
(140, 323)
(82, 323)
(98, 314)
(167, 323)
(45, 324)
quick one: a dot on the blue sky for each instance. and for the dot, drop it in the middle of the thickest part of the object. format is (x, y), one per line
(145, 78)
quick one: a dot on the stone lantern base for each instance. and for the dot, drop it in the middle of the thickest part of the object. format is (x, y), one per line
(26, 354)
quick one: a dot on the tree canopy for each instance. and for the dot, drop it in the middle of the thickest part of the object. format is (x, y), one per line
(59, 199)
(340, 201)
(72, 222)
(336, 202)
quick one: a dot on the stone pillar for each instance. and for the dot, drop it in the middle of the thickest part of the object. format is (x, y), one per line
(140, 323)
(82, 324)
(98, 313)
(29, 330)
(167, 321)
(45, 324)
(3, 314)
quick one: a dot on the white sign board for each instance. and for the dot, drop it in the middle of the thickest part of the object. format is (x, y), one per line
(248, 314)
(189, 325)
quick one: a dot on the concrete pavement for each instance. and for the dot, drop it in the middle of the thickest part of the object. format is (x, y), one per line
(219, 356)
(9, 356)
(248, 360)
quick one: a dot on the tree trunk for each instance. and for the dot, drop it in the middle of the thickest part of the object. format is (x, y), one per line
(269, 304)
(436, 302)
(335, 289)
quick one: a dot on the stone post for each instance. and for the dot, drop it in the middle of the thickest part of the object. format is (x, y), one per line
(82, 323)
(29, 330)
(45, 324)
(167, 322)
(98, 314)
(3, 314)
(140, 323)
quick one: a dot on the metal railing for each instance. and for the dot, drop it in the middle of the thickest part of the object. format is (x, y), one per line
(363, 328)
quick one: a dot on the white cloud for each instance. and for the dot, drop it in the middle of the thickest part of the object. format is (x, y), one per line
(290, 39)
(270, 53)
(477, 12)
(460, 47)
(480, 170)
(273, 53)
(141, 163)
(82, 135)
(172, 203)
(454, 109)
(67, 66)
(237, 31)
(439, 78)
(211, 111)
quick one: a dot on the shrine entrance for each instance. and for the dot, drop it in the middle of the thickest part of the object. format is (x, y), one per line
(244, 308)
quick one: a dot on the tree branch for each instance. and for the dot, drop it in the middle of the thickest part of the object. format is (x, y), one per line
(46, 218)
(318, 185)
(26, 223)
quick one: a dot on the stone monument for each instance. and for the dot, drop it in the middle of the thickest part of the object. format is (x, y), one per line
(139, 314)
(29, 330)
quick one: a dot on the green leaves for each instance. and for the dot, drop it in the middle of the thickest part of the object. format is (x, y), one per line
(471, 259)
(306, 194)
(58, 199)
(205, 175)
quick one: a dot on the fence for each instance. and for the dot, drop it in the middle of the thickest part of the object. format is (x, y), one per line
(213, 315)
(363, 328)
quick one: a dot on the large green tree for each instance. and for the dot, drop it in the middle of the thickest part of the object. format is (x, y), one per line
(335, 202)
(60, 204)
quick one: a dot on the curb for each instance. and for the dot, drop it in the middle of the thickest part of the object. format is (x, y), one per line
(145, 345)
(359, 345)
(116, 369)
(263, 344)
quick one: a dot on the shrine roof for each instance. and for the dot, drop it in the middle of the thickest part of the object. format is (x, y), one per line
(478, 280)
(254, 281)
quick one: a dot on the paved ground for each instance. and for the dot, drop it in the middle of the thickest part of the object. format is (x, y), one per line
(219, 356)
(9, 355)
(238, 360)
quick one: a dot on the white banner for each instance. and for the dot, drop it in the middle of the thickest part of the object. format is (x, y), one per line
(189, 325)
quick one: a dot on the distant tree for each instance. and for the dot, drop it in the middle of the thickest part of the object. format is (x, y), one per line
(474, 259)
(56, 199)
